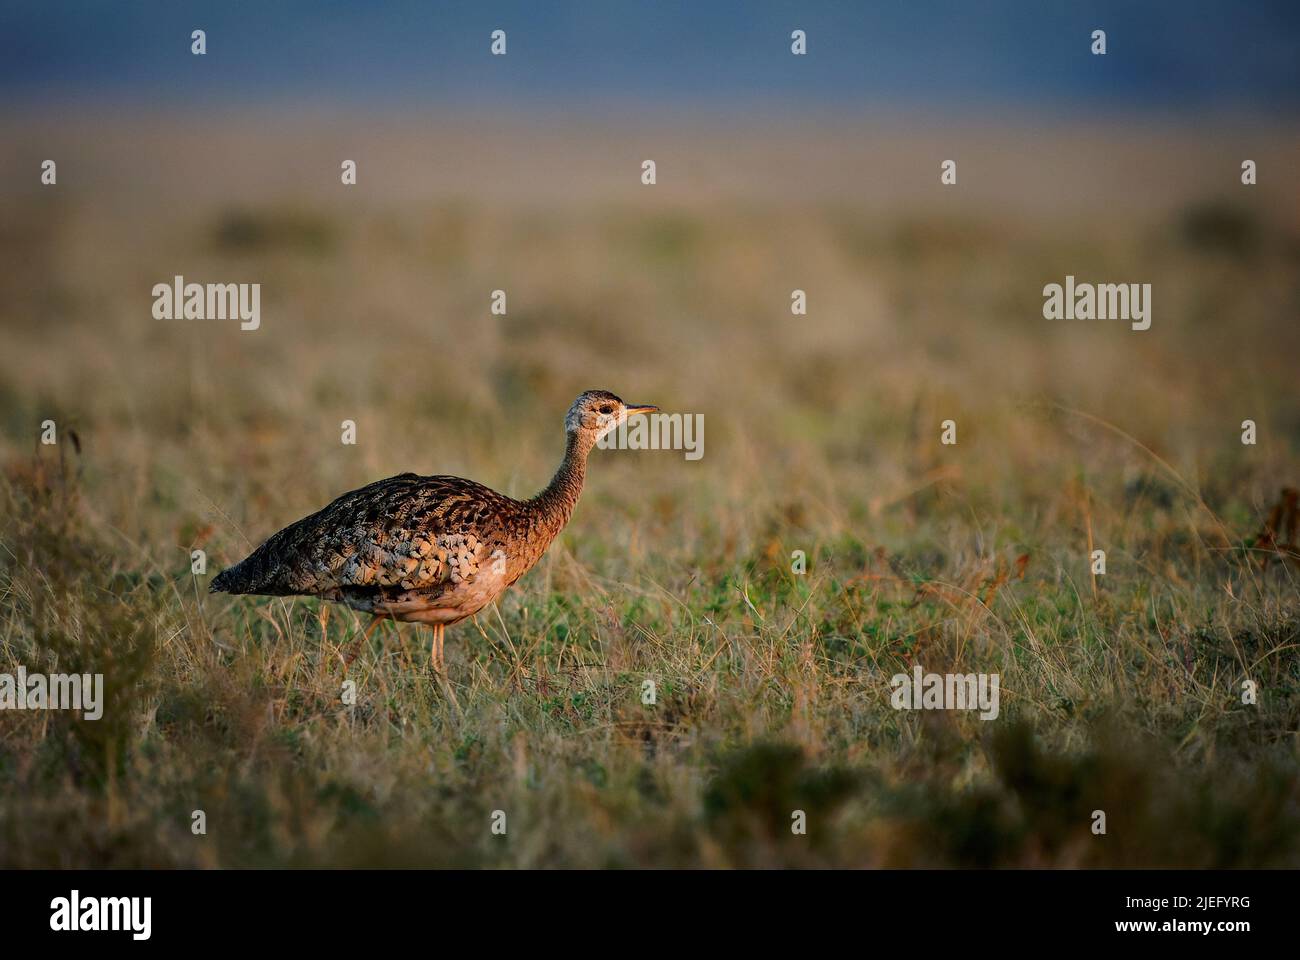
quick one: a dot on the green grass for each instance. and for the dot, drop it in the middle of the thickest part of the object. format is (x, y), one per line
(1120, 694)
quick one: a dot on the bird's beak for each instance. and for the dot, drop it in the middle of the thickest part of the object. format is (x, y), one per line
(640, 408)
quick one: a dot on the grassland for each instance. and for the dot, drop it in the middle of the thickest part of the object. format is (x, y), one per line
(1120, 692)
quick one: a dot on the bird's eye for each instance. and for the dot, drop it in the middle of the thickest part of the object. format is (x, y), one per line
(607, 409)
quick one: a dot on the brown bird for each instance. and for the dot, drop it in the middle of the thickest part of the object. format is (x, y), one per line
(431, 550)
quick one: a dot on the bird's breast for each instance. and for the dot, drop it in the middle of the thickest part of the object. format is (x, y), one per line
(451, 602)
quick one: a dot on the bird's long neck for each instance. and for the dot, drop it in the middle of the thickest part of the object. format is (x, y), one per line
(554, 505)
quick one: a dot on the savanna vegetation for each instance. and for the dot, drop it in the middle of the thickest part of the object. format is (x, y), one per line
(1120, 692)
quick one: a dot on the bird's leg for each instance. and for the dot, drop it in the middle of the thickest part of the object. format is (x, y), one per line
(436, 656)
(440, 665)
(355, 648)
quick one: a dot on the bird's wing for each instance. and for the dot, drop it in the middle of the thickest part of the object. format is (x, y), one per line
(407, 532)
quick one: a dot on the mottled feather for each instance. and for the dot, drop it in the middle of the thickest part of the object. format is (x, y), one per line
(433, 549)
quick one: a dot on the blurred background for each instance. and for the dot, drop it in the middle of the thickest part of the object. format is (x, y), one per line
(521, 173)
(775, 172)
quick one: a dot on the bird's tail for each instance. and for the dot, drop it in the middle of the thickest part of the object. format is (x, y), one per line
(230, 580)
(252, 575)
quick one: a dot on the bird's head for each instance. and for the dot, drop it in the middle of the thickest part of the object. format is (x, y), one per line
(597, 412)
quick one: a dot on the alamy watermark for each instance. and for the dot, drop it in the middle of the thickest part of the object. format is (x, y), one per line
(1098, 301)
(946, 691)
(179, 300)
(658, 431)
(55, 691)
(76, 913)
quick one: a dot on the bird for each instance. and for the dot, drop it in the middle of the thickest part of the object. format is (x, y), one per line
(426, 549)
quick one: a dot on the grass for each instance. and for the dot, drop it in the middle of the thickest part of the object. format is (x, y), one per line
(1120, 692)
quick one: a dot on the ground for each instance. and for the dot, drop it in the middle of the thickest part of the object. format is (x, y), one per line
(1120, 692)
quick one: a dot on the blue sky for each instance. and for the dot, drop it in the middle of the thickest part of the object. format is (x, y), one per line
(1163, 56)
